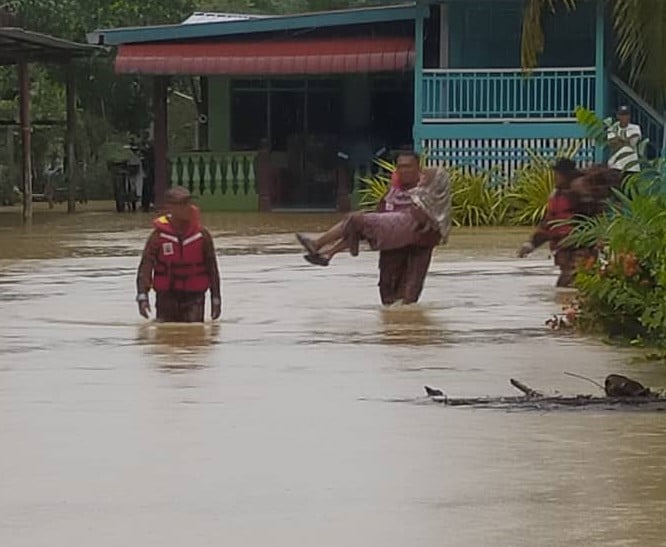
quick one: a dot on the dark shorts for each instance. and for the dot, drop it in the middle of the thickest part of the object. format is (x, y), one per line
(402, 274)
(180, 307)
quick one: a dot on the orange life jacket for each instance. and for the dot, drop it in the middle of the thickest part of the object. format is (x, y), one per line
(180, 262)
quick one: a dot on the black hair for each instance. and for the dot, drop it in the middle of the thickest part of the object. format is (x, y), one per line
(564, 166)
(409, 154)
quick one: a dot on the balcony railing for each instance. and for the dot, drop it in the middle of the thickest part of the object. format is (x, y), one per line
(220, 180)
(506, 94)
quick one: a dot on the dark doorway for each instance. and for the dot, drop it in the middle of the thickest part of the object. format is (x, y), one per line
(306, 123)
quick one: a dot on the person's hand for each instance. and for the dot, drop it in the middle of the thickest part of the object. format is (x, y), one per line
(215, 308)
(144, 306)
(525, 249)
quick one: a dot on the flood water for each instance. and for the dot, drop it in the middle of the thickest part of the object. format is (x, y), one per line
(298, 419)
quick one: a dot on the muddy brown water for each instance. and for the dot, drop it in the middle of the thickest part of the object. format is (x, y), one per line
(298, 419)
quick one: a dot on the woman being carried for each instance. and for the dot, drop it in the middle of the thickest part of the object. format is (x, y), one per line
(430, 208)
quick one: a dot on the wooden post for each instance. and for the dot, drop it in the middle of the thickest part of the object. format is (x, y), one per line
(203, 111)
(422, 12)
(161, 141)
(70, 138)
(24, 102)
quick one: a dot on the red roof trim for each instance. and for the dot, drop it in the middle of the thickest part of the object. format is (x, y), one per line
(322, 56)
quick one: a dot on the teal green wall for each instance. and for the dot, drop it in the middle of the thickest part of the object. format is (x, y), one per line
(219, 113)
(486, 34)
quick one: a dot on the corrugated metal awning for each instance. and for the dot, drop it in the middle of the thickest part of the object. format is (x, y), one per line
(17, 44)
(295, 56)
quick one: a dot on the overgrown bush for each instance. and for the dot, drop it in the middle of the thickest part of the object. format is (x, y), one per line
(623, 293)
(476, 201)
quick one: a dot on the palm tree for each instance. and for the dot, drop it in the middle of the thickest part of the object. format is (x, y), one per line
(640, 31)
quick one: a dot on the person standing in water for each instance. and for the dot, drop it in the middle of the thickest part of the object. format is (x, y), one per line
(402, 272)
(430, 209)
(563, 204)
(180, 264)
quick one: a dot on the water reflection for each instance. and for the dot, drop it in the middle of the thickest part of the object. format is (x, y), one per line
(177, 347)
(413, 325)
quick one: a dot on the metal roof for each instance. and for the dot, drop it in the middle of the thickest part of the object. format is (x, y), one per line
(216, 28)
(18, 44)
(214, 17)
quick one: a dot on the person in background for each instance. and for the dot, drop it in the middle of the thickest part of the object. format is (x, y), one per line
(623, 140)
(180, 264)
(402, 272)
(561, 206)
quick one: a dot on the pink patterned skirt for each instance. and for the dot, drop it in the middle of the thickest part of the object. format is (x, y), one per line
(383, 231)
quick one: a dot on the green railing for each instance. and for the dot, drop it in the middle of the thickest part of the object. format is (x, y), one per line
(226, 181)
(506, 94)
(221, 181)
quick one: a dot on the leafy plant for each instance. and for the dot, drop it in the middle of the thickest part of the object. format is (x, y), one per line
(624, 292)
(374, 189)
(475, 200)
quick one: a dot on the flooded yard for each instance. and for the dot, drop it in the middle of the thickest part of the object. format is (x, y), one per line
(298, 419)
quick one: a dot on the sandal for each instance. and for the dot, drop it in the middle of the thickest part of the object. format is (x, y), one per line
(307, 243)
(317, 259)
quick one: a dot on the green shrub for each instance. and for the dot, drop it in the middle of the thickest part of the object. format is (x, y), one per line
(623, 294)
(475, 200)
(375, 187)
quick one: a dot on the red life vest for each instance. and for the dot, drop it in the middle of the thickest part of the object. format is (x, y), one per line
(180, 262)
(560, 208)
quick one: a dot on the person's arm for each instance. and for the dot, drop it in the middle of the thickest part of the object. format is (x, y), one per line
(144, 276)
(635, 137)
(213, 272)
(615, 142)
(540, 236)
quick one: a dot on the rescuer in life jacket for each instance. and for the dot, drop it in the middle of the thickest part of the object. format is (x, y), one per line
(180, 264)
(562, 205)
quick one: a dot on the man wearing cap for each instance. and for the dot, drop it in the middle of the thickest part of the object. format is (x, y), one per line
(180, 264)
(623, 139)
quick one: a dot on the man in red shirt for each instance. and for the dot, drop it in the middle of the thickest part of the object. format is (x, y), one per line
(180, 264)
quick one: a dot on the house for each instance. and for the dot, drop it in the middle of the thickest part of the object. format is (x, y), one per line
(294, 104)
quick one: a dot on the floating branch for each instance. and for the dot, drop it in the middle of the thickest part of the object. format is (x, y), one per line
(620, 393)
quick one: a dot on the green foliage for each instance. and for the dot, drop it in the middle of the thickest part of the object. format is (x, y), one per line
(475, 200)
(373, 191)
(623, 294)
(532, 37)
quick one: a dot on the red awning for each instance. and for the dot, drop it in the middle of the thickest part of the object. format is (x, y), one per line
(322, 56)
